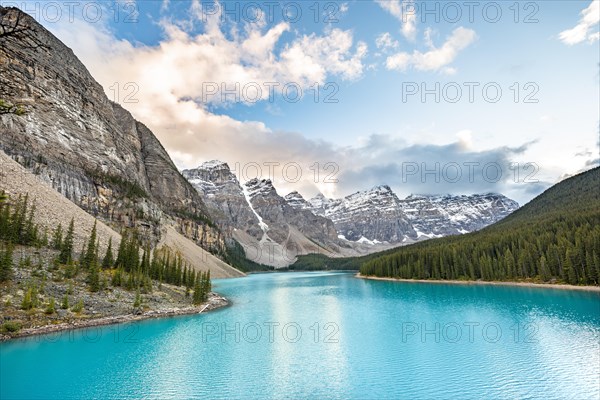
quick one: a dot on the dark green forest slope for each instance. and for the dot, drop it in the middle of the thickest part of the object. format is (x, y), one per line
(555, 237)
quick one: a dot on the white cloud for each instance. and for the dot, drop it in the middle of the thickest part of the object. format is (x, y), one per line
(385, 42)
(311, 57)
(170, 77)
(436, 59)
(183, 63)
(404, 12)
(581, 32)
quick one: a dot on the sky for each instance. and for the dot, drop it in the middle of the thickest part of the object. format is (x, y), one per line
(335, 97)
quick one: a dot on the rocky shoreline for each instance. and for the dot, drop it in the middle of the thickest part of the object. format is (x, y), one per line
(493, 283)
(214, 302)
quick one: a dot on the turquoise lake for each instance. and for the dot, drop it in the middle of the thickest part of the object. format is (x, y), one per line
(329, 335)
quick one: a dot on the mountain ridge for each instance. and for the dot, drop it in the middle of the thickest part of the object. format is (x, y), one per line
(359, 215)
(270, 226)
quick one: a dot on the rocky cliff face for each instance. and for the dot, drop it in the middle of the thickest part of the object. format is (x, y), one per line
(378, 215)
(279, 215)
(88, 148)
(225, 198)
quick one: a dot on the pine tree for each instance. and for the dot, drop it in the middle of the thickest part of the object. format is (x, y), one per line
(65, 303)
(119, 262)
(207, 283)
(94, 277)
(57, 238)
(198, 297)
(78, 307)
(544, 273)
(29, 228)
(44, 239)
(108, 261)
(30, 299)
(138, 300)
(117, 278)
(569, 270)
(6, 263)
(70, 269)
(51, 308)
(90, 253)
(66, 251)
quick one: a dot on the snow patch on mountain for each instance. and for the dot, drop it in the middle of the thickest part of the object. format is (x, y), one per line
(248, 195)
(379, 216)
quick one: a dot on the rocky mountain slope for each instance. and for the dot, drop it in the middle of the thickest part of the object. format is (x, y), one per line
(224, 196)
(270, 230)
(53, 208)
(369, 216)
(443, 215)
(88, 148)
(379, 216)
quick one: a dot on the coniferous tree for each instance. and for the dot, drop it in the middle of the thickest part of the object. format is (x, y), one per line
(138, 300)
(544, 273)
(66, 251)
(94, 276)
(117, 278)
(30, 298)
(6, 263)
(44, 239)
(57, 238)
(65, 302)
(78, 307)
(51, 308)
(207, 284)
(198, 297)
(90, 253)
(108, 261)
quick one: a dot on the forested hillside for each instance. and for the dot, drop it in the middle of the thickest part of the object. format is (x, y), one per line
(555, 237)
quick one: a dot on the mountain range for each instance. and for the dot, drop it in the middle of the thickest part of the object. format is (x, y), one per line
(275, 229)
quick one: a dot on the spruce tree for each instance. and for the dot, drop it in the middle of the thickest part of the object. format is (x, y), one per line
(57, 238)
(198, 297)
(65, 303)
(108, 261)
(90, 253)
(138, 300)
(94, 277)
(29, 229)
(544, 273)
(66, 251)
(6, 263)
(51, 308)
(43, 242)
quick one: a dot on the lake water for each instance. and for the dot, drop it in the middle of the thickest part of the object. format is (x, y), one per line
(329, 335)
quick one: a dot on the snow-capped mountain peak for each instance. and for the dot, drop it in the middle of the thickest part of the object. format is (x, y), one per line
(296, 200)
(260, 187)
(379, 215)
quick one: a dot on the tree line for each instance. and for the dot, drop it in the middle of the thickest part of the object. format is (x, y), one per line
(556, 237)
(559, 250)
(130, 268)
